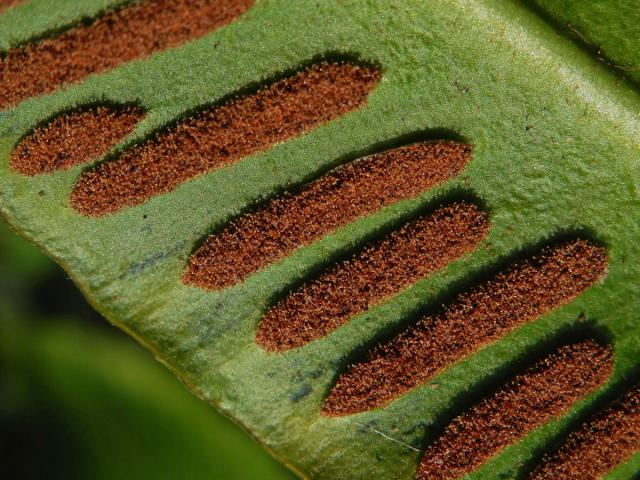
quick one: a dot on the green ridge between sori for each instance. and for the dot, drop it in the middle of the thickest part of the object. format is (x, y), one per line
(556, 152)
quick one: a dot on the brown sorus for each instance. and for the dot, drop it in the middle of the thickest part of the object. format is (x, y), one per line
(484, 314)
(379, 271)
(602, 443)
(119, 36)
(292, 220)
(5, 4)
(543, 392)
(73, 138)
(224, 134)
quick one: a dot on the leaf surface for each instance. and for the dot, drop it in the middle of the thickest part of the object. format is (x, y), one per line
(555, 140)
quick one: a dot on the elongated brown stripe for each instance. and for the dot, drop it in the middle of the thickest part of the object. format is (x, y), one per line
(339, 197)
(543, 392)
(119, 36)
(225, 134)
(600, 445)
(73, 138)
(482, 315)
(5, 4)
(381, 270)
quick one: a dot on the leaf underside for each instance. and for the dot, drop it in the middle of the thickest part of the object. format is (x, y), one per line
(555, 146)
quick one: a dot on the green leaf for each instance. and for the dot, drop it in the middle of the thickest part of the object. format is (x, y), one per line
(555, 142)
(607, 30)
(85, 403)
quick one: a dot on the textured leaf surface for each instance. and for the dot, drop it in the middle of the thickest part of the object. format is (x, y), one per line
(84, 403)
(556, 147)
(609, 30)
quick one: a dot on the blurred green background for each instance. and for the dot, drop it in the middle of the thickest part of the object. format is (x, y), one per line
(81, 400)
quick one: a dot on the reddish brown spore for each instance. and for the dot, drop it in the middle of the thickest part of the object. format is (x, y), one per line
(119, 36)
(484, 314)
(73, 138)
(224, 134)
(601, 444)
(545, 391)
(378, 272)
(293, 220)
(5, 4)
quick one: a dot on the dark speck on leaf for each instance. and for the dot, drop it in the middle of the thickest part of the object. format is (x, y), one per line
(303, 391)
